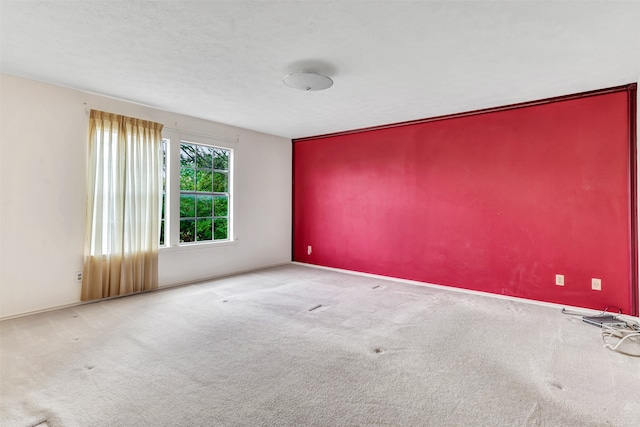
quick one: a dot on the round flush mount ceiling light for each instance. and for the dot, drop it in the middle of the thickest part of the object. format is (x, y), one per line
(307, 80)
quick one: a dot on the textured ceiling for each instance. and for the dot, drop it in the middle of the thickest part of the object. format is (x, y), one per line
(390, 61)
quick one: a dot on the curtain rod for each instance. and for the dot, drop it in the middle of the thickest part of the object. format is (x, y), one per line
(204, 135)
(220, 138)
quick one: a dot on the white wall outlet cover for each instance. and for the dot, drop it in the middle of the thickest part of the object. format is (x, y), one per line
(560, 279)
(596, 284)
(308, 250)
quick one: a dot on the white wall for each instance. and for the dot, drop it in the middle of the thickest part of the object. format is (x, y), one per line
(43, 136)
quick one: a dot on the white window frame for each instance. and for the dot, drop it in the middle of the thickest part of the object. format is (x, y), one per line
(172, 204)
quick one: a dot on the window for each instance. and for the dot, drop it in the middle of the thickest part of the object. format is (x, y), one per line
(164, 190)
(204, 193)
(197, 208)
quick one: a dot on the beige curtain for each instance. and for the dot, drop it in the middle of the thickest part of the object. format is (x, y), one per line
(124, 191)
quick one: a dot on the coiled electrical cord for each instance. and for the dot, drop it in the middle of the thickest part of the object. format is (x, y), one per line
(624, 331)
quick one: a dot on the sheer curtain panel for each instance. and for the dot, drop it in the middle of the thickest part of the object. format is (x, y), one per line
(124, 190)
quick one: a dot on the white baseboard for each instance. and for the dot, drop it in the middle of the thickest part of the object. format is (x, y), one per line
(44, 310)
(586, 311)
(339, 270)
(191, 282)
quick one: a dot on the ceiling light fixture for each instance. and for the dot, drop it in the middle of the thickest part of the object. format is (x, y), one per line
(307, 80)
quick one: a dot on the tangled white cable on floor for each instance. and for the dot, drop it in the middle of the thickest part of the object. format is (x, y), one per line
(628, 332)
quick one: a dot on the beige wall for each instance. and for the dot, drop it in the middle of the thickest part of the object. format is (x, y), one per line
(43, 136)
(43, 132)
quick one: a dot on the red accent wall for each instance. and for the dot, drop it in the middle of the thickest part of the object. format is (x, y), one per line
(498, 201)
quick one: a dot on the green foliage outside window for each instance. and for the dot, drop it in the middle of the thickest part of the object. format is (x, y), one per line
(204, 193)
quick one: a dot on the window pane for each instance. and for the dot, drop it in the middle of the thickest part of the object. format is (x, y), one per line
(187, 206)
(220, 182)
(203, 180)
(204, 157)
(187, 155)
(164, 165)
(164, 189)
(220, 229)
(187, 179)
(220, 206)
(203, 229)
(204, 206)
(187, 230)
(204, 171)
(221, 159)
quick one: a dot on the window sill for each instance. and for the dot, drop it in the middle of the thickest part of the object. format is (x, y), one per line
(197, 246)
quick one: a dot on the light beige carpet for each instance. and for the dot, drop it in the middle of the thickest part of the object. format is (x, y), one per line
(298, 346)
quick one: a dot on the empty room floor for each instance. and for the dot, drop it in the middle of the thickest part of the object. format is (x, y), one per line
(295, 345)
